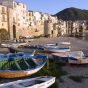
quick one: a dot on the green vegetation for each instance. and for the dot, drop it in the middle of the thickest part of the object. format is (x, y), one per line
(52, 69)
(76, 78)
(72, 14)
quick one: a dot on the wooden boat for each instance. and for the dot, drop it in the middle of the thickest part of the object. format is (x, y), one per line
(52, 45)
(65, 43)
(38, 82)
(77, 57)
(15, 45)
(60, 57)
(18, 65)
(56, 50)
(74, 57)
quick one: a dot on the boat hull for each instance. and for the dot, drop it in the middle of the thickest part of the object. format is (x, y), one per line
(78, 61)
(38, 82)
(15, 74)
(56, 51)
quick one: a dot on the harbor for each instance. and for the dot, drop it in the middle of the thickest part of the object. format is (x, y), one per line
(66, 74)
(43, 44)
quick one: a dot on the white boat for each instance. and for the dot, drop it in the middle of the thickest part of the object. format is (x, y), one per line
(38, 82)
(60, 57)
(77, 57)
(50, 45)
(65, 43)
(57, 50)
(54, 48)
(14, 45)
(74, 57)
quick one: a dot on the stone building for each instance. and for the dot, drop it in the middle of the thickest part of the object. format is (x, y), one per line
(72, 28)
(4, 22)
(51, 27)
(16, 18)
(17, 21)
(76, 28)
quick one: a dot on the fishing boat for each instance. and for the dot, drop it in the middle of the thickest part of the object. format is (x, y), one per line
(42, 47)
(65, 43)
(77, 57)
(60, 57)
(38, 82)
(15, 45)
(56, 50)
(20, 65)
(72, 57)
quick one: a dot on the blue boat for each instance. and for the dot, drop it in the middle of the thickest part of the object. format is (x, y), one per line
(20, 64)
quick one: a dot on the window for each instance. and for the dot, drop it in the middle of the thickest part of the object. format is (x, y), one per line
(23, 17)
(30, 24)
(36, 30)
(30, 19)
(2, 24)
(30, 14)
(15, 5)
(23, 6)
(4, 18)
(3, 10)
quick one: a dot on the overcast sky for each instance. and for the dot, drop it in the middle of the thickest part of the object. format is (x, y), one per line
(54, 6)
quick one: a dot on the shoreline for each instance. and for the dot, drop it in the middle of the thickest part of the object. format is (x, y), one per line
(76, 44)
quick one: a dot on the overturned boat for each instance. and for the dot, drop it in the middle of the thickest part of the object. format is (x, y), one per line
(20, 65)
(38, 82)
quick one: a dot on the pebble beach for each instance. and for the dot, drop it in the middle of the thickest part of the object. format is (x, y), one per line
(76, 44)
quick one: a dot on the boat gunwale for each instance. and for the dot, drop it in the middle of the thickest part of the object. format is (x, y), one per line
(31, 79)
(39, 66)
(29, 69)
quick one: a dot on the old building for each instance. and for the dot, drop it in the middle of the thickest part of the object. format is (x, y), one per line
(17, 21)
(51, 27)
(4, 22)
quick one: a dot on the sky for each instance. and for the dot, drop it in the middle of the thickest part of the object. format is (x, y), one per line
(54, 6)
